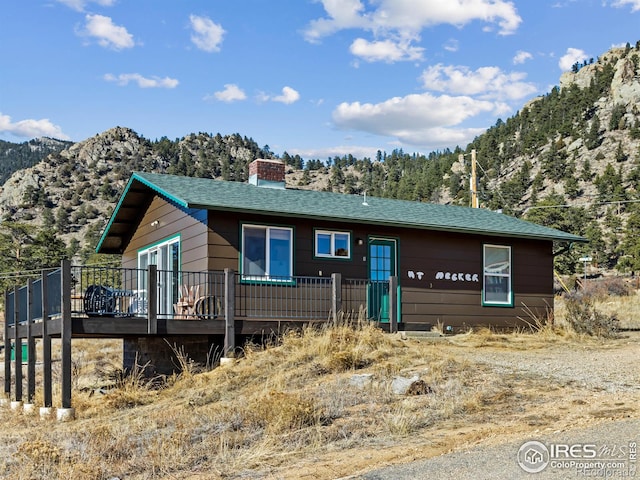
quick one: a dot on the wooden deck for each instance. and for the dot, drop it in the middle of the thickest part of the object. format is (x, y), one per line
(51, 307)
(108, 327)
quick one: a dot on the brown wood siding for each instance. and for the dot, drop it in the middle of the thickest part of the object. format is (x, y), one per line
(190, 224)
(223, 240)
(425, 257)
(427, 299)
(433, 299)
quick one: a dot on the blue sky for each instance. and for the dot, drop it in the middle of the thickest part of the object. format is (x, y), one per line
(316, 78)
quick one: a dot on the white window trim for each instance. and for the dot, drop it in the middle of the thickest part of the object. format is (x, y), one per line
(267, 275)
(165, 299)
(332, 233)
(509, 276)
(157, 246)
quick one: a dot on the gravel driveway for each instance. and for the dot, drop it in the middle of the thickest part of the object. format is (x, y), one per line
(501, 461)
(614, 370)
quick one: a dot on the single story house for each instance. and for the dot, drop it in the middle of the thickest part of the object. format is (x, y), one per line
(455, 266)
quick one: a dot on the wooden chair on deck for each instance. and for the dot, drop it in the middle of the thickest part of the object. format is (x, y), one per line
(183, 309)
(207, 307)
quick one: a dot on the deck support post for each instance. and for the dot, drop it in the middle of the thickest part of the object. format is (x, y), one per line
(393, 304)
(7, 351)
(336, 296)
(17, 349)
(66, 412)
(46, 344)
(152, 299)
(229, 312)
(31, 347)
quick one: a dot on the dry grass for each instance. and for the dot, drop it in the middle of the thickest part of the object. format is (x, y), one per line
(280, 409)
(626, 309)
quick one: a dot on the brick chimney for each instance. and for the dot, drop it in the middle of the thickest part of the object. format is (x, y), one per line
(267, 173)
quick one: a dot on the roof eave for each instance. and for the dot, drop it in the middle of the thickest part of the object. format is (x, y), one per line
(440, 228)
(135, 177)
(114, 214)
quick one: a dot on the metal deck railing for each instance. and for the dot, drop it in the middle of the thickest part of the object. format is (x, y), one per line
(125, 292)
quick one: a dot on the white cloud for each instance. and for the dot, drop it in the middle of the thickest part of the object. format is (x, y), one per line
(207, 35)
(451, 45)
(108, 35)
(521, 57)
(410, 16)
(635, 4)
(288, 96)
(31, 128)
(385, 50)
(443, 137)
(417, 119)
(231, 93)
(485, 82)
(572, 56)
(343, 14)
(263, 97)
(80, 5)
(143, 82)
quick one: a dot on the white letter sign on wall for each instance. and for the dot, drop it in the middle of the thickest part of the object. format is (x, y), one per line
(452, 277)
(457, 277)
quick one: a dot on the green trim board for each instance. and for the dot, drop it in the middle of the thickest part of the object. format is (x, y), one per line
(226, 196)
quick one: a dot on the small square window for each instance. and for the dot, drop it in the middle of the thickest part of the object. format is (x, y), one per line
(332, 244)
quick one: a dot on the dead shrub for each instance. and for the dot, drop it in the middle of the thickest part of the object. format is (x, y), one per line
(282, 411)
(131, 388)
(345, 360)
(584, 318)
(401, 420)
(41, 457)
(606, 287)
(80, 470)
(39, 451)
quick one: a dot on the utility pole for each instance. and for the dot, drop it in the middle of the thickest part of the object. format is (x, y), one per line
(474, 181)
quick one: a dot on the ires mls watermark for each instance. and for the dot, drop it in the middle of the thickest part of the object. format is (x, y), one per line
(584, 459)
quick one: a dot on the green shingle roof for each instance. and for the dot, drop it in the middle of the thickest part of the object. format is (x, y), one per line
(241, 197)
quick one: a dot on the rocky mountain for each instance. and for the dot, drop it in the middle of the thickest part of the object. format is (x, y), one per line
(73, 191)
(16, 156)
(569, 159)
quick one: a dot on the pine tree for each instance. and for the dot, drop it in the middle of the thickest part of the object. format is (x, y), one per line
(620, 155)
(593, 139)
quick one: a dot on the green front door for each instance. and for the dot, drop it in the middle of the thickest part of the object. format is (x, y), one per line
(382, 265)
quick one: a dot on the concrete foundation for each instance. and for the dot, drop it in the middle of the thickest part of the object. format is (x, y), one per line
(16, 406)
(28, 408)
(46, 412)
(65, 414)
(225, 361)
(160, 354)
